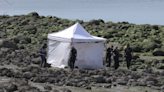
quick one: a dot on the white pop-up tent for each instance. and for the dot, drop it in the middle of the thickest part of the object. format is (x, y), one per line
(89, 48)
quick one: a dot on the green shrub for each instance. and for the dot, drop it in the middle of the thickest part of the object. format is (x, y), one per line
(138, 63)
(155, 61)
(16, 40)
(134, 68)
(136, 48)
(44, 36)
(27, 39)
(142, 66)
(23, 42)
(147, 46)
(135, 56)
(30, 28)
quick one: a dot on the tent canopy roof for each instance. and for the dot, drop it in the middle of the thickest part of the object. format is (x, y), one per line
(75, 33)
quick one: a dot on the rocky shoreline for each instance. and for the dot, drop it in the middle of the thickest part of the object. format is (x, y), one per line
(80, 78)
(25, 69)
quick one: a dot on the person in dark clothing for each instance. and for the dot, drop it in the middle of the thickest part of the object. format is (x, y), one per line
(116, 57)
(108, 55)
(42, 54)
(128, 53)
(73, 54)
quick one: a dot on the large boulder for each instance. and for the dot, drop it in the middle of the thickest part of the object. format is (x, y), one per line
(150, 78)
(7, 44)
(36, 60)
(158, 52)
(148, 45)
(28, 75)
(11, 88)
(95, 22)
(33, 14)
(161, 66)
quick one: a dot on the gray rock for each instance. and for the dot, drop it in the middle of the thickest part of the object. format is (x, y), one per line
(129, 83)
(108, 80)
(150, 83)
(47, 87)
(11, 88)
(19, 81)
(86, 79)
(51, 80)
(155, 87)
(65, 90)
(162, 87)
(7, 44)
(69, 83)
(114, 78)
(81, 83)
(54, 90)
(156, 72)
(142, 84)
(24, 88)
(28, 75)
(122, 82)
(88, 87)
(107, 86)
(158, 84)
(131, 80)
(134, 84)
(36, 60)
(98, 78)
(148, 70)
(126, 78)
(162, 73)
(150, 78)
(78, 80)
(114, 84)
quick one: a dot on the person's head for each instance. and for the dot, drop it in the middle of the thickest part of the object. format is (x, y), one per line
(111, 46)
(128, 45)
(116, 47)
(45, 46)
(72, 47)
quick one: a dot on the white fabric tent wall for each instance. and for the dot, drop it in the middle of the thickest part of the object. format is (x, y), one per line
(89, 55)
(58, 53)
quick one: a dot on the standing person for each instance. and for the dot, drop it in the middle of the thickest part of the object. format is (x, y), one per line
(128, 54)
(116, 57)
(108, 55)
(42, 54)
(73, 54)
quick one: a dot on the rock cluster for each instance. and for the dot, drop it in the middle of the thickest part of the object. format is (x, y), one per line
(85, 78)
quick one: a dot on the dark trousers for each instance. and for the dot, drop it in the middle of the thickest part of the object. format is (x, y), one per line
(72, 62)
(108, 59)
(43, 62)
(116, 62)
(128, 61)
